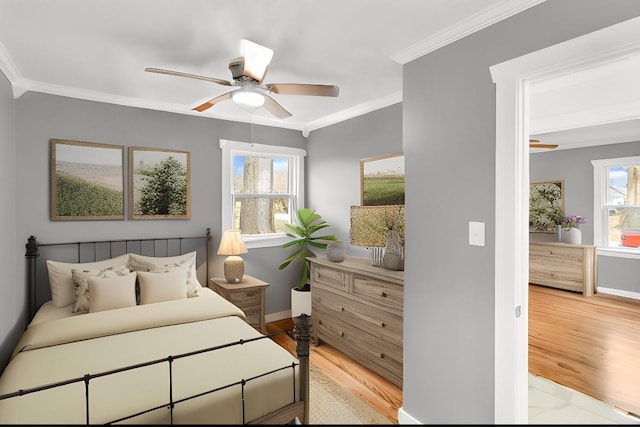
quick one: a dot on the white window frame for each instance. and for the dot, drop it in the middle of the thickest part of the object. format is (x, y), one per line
(600, 183)
(296, 181)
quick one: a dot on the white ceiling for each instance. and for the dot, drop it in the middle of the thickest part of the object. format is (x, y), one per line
(98, 50)
(596, 106)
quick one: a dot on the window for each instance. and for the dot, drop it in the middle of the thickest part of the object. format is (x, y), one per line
(262, 186)
(617, 204)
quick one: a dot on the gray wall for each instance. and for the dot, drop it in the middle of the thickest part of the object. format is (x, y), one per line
(12, 315)
(333, 171)
(575, 168)
(41, 117)
(25, 171)
(449, 144)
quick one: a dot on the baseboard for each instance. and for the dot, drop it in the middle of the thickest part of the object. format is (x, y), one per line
(619, 292)
(274, 317)
(405, 418)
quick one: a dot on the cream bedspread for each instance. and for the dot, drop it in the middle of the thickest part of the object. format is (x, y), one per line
(70, 347)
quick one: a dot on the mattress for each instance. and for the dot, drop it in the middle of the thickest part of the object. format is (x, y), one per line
(210, 379)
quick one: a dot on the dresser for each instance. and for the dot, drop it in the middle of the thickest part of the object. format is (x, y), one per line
(358, 309)
(564, 266)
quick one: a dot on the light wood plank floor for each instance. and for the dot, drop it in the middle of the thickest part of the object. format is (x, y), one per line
(589, 344)
(379, 393)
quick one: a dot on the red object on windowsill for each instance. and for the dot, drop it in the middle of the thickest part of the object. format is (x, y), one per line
(630, 238)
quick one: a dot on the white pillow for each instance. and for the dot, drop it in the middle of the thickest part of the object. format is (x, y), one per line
(158, 287)
(80, 278)
(186, 262)
(61, 282)
(108, 293)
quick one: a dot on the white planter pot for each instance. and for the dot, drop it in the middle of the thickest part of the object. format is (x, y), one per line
(300, 303)
(571, 235)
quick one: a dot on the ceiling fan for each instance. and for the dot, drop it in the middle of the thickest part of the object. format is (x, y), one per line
(535, 143)
(248, 72)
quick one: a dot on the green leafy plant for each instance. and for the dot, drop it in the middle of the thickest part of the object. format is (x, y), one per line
(308, 222)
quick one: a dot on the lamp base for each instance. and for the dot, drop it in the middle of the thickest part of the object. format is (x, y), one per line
(233, 269)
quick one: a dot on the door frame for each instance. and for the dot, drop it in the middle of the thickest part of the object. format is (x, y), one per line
(512, 79)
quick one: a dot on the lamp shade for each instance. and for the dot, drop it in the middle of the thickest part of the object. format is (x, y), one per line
(231, 244)
(369, 224)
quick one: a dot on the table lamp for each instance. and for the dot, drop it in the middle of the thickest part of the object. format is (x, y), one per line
(231, 244)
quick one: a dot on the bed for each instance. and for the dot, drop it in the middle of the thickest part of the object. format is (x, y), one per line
(139, 339)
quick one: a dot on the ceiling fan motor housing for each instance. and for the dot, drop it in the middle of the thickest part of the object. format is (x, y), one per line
(236, 66)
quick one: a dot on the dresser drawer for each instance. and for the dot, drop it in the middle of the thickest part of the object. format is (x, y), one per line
(378, 355)
(556, 253)
(244, 299)
(330, 277)
(379, 291)
(379, 323)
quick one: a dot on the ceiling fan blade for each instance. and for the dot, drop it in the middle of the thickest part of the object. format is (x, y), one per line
(192, 76)
(536, 145)
(256, 60)
(303, 89)
(210, 103)
(275, 108)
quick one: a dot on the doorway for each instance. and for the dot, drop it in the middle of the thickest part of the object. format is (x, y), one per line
(512, 79)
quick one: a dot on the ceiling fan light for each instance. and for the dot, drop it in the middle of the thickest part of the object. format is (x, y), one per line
(248, 98)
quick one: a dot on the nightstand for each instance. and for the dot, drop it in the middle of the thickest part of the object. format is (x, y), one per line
(247, 295)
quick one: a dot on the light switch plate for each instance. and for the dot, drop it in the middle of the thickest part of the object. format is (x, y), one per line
(476, 233)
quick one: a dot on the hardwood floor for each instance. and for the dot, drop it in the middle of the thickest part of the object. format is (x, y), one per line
(589, 344)
(379, 393)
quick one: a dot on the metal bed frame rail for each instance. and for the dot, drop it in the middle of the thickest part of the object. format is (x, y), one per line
(303, 323)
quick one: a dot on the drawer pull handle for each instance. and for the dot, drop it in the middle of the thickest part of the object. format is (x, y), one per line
(382, 325)
(383, 294)
(341, 333)
(319, 321)
(341, 308)
(381, 355)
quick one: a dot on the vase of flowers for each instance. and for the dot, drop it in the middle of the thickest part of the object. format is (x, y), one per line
(571, 229)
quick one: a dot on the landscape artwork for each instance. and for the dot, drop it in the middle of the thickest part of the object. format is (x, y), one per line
(159, 184)
(382, 180)
(87, 181)
(546, 205)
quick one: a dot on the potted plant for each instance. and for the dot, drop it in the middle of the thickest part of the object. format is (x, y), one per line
(307, 223)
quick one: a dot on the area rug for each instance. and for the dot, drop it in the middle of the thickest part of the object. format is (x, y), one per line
(332, 404)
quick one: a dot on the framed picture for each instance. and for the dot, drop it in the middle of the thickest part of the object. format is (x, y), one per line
(87, 181)
(546, 205)
(382, 180)
(159, 184)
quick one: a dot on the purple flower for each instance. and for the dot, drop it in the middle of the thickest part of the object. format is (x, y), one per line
(573, 221)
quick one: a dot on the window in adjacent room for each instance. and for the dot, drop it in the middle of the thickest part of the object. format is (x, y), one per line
(262, 186)
(617, 204)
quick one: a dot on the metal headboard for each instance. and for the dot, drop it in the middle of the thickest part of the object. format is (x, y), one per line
(90, 251)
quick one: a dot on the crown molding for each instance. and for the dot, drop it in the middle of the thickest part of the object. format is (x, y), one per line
(352, 112)
(474, 23)
(18, 84)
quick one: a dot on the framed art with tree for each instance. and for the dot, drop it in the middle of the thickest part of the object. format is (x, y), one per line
(546, 205)
(159, 184)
